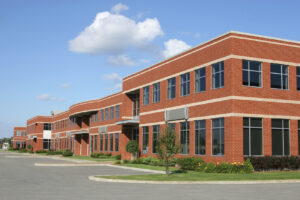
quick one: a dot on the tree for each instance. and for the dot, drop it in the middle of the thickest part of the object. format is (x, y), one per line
(133, 148)
(167, 146)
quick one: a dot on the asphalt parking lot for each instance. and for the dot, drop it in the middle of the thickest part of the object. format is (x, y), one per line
(21, 179)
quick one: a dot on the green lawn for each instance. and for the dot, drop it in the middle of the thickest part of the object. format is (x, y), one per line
(180, 175)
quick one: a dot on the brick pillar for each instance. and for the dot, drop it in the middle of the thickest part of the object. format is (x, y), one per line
(294, 138)
(208, 150)
(267, 137)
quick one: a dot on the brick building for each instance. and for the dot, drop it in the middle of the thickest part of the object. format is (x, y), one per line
(236, 95)
(19, 138)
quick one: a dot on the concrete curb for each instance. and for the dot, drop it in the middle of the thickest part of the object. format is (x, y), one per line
(137, 169)
(97, 179)
(68, 164)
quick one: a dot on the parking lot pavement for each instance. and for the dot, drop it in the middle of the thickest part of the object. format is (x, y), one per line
(20, 179)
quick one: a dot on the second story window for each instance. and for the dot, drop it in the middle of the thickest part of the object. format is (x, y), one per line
(171, 88)
(298, 78)
(106, 113)
(156, 92)
(18, 133)
(111, 112)
(146, 95)
(47, 126)
(96, 117)
(185, 84)
(200, 80)
(218, 75)
(279, 76)
(24, 133)
(117, 111)
(102, 114)
(251, 73)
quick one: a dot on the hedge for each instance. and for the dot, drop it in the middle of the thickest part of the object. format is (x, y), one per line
(275, 163)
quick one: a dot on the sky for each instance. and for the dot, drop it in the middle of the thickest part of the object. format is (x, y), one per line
(55, 53)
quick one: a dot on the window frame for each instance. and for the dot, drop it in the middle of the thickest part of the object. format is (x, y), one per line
(145, 146)
(298, 78)
(171, 87)
(156, 93)
(249, 136)
(282, 135)
(185, 84)
(220, 73)
(220, 134)
(199, 128)
(146, 95)
(185, 131)
(248, 70)
(198, 79)
(155, 137)
(281, 76)
(116, 142)
(117, 110)
(112, 110)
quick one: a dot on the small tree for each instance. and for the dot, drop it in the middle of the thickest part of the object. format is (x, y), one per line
(133, 148)
(167, 146)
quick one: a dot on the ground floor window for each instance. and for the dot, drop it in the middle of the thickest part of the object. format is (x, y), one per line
(101, 142)
(252, 132)
(111, 142)
(95, 142)
(155, 137)
(280, 137)
(200, 137)
(105, 142)
(92, 142)
(218, 136)
(299, 137)
(18, 144)
(184, 137)
(46, 144)
(145, 139)
(24, 145)
(116, 141)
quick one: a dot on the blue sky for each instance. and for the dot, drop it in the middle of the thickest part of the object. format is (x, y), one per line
(55, 53)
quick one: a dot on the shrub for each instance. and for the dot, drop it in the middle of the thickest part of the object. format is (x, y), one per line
(132, 147)
(118, 157)
(67, 153)
(247, 167)
(29, 146)
(210, 168)
(22, 150)
(53, 152)
(41, 151)
(189, 163)
(224, 167)
(107, 154)
(275, 163)
(126, 161)
(96, 155)
(117, 162)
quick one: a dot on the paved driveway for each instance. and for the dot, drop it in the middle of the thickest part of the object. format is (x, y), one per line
(20, 179)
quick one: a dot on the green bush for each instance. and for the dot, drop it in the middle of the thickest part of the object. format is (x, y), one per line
(118, 157)
(223, 168)
(41, 151)
(67, 153)
(132, 147)
(210, 168)
(96, 155)
(275, 163)
(29, 146)
(190, 163)
(126, 161)
(22, 150)
(53, 152)
(117, 162)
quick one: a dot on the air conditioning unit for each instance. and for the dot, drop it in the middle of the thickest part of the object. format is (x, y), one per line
(177, 114)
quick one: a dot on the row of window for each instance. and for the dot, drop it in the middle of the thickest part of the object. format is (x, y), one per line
(109, 113)
(252, 77)
(20, 133)
(252, 137)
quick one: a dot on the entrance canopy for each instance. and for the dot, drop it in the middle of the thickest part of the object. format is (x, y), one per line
(129, 122)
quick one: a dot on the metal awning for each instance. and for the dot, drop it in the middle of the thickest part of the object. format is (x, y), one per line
(83, 113)
(128, 122)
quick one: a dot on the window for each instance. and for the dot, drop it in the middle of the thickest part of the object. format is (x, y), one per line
(96, 117)
(145, 139)
(146, 95)
(105, 142)
(200, 81)
(111, 142)
(112, 112)
(299, 137)
(92, 118)
(251, 73)
(184, 137)
(298, 78)
(24, 145)
(218, 75)
(171, 88)
(279, 76)
(92, 143)
(155, 137)
(218, 136)
(200, 137)
(116, 141)
(18, 133)
(102, 114)
(156, 92)
(280, 137)
(117, 111)
(101, 142)
(106, 113)
(46, 143)
(24, 133)
(185, 84)
(47, 126)
(252, 128)
(95, 142)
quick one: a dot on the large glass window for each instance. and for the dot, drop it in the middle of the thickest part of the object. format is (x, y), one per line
(112, 112)
(155, 137)
(106, 142)
(279, 76)
(200, 80)
(218, 75)
(156, 92)
(111, 142)
(299, 137)
(280, 137)
(95, 143)
(92, 143)
(24, 133)
(184, 137)
(96, 116)
(46, 144)
(47, 126)
(185, 84)
(117, 111)
(106, 113)
(251, 73)
(146, 95)
(102, 115)
(252, 128)
(145, 139)
(298, 78)
(101, 142)
(200, 137)
(116, 142)
(171, 88)
(18, 133)
(218, 136)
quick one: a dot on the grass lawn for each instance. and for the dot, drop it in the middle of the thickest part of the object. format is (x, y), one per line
(92, 159)
(181, 175)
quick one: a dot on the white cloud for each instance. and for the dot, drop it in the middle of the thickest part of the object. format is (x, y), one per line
(47, 97)
(114, 34)
(119, 8)
(173, 47)
(120, 60)
(115, 78)
(65, 85)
